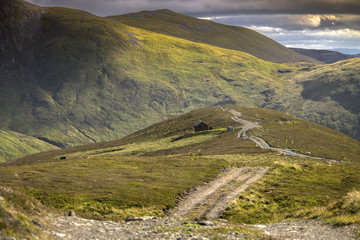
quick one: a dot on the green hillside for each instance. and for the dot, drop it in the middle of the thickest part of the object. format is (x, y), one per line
(15, 145)
(204, 31)
(329, 95)
(144, 173)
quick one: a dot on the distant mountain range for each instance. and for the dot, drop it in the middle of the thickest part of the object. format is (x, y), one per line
(68, 77)
(325, 56)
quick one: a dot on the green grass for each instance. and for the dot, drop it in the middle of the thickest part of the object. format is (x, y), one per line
(15, 145)
(20, 215)
(112, 187)
(295, 189)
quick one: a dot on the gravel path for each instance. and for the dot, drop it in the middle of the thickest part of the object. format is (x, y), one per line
(247, 125)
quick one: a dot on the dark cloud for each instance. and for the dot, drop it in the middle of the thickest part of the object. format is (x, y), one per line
(284, 7)
(212, 7)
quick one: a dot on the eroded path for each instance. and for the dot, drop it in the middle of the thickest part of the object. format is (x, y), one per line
(209, 201)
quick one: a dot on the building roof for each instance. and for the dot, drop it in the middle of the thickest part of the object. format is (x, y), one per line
(198, 123)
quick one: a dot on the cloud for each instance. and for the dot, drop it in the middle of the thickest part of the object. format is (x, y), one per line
(314, 38)
(293, 21)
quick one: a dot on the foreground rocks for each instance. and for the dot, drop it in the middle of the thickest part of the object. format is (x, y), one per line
(172, 228)
(310, 230)
(139, 228)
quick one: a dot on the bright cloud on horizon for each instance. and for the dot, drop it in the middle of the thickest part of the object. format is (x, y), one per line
(330, 39)
(332, 32)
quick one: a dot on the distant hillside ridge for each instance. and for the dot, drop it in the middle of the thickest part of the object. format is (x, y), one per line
(325, 56)
(204, 31)
(329, 95)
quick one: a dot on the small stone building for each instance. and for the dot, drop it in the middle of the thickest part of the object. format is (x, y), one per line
(201, 126)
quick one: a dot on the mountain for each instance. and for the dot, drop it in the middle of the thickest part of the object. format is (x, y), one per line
(329, 95)
(69, 77)
(147, 172)
(204, 31)
(324, 56)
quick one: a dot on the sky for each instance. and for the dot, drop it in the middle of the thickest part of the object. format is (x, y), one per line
(312, 24)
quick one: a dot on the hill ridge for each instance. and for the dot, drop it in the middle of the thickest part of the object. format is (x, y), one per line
(204, 31)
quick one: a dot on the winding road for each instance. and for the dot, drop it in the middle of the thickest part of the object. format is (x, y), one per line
(247, 125)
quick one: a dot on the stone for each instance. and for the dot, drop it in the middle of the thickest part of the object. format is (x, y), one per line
(132, 218)
(229, 129)
(71, 214)
(206, 223)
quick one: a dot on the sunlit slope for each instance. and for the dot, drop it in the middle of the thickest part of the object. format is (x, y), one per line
(15, 145)
(205, 31)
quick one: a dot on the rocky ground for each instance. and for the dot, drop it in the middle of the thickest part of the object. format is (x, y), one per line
(143, 228)
(309, 230)
(176, 228)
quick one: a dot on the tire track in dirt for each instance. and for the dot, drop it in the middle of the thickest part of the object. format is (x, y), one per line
(209, 201)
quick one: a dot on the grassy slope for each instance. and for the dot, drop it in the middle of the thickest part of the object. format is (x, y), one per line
(21, 216)
(15, 145)
(108, 180)
(175, 136)
(204, 31)
(328, 95)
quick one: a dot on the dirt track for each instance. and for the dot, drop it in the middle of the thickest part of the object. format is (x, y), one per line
(210, 200)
